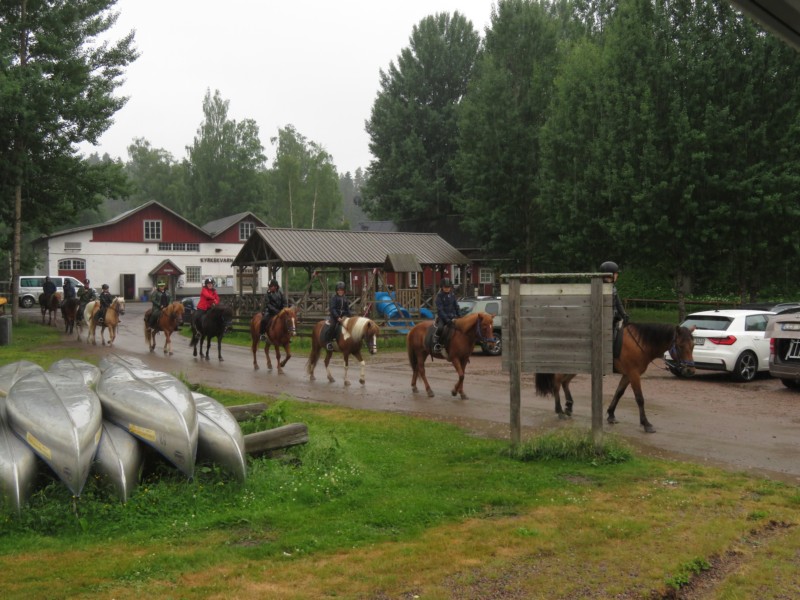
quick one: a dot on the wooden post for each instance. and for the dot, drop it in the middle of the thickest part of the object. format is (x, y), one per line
(242, 412)
(514, 349)
(597, 329)
(260, 442)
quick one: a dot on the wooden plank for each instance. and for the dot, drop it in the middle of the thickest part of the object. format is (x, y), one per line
(285, 436)
(598, 330)
(242, 412)
(514, 352)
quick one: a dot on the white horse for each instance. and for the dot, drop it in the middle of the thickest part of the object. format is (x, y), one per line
(117, 309)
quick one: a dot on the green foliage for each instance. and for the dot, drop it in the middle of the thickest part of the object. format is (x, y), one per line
(686, 571)
(573, 445)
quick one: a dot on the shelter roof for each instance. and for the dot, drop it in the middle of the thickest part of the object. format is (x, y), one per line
(165, 267)
(339, 248)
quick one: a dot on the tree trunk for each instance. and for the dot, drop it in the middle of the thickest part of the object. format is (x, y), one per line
(263, 442)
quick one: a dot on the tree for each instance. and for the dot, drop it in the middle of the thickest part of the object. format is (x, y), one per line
(224, 165)
(155, 175)
(413, 127)
(56, 90)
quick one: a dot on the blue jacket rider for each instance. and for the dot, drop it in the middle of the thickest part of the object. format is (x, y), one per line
(446, 310)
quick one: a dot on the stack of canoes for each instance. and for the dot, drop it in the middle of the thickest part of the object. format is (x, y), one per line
(76, 417)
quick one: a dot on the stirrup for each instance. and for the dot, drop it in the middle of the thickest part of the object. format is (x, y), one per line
(329, 346)
(263, 337)
(437, 348)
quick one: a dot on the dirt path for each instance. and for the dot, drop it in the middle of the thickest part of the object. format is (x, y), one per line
(708, 419)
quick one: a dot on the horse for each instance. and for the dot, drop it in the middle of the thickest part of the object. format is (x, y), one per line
(465, 332)
(69, 310)
(280, 332)
(216, 322)
(50, 305)
(641, 344)
(168, 322)
(354, 332)
(549, 383)
(111, 321)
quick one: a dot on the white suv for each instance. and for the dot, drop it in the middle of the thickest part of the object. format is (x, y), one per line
(30, 286)
(490, 305)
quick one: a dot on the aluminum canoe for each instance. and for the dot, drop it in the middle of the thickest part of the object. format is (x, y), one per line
(80, 370)
(109, 360)
(119, 460)
(17, 469)
(60, 419)
(8, 377)
(155, 407)
(221, 440)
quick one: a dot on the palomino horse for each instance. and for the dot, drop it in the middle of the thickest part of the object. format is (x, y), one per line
(641, 344)
(465, 332)
(216, 322)
(168, 322)
(280, 332)
(354, 332)
(50, 305)
(69, 310)
(111, 321)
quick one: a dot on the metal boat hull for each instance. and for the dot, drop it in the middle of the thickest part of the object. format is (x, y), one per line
(8, 377)
(221, 440)
(60, 419)
(17, 469)
(155, 407)
(119, 460)
(79, 370)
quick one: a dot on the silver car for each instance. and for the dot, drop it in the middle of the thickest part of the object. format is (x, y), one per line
(783, 332)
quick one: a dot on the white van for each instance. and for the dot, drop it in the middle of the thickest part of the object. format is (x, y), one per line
(30, 286)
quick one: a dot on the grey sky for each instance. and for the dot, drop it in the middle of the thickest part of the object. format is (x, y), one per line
(310, 63)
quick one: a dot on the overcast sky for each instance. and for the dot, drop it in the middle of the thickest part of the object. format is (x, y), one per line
(310, 63)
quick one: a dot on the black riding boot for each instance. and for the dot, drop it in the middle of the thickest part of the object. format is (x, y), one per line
(331, 338)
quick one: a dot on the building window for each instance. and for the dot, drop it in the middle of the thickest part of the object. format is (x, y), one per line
(179, 247)
(412, 279)
(487, 276)
(152, 230)
(72, 264)
(456, 271)
(72, 246)
(246, 229)
(193, 275)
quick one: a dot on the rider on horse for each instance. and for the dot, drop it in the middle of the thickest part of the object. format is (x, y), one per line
(446, 312)
(161, 299)
(274, 303)
(87, 295)
(620, 318)
(49, 288)
(69, 291)
(339, 309)
(209, 298)
(105, 299)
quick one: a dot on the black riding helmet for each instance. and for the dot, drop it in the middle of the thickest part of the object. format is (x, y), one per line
(340, 286)
(446, 283)
(208, 280)
(609, 267)
(273, 283)
(105, 286)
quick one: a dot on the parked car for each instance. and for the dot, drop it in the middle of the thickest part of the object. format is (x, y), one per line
(492, 306)
(783, 333)
(189, 306)
(730, 340)
(30, 286)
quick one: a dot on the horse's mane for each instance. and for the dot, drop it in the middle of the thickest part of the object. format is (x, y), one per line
(360, 326)
(653, 334)
(467, 322)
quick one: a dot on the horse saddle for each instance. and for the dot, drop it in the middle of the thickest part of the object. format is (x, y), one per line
(444, 341)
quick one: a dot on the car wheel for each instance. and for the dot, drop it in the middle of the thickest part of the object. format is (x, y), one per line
(746, 367)
(792, 384)
(26, 302)
(498, 346)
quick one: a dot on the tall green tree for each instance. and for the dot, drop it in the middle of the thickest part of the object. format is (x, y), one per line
(155, 175)
(224, 165)
(57, 86)
(413, 127)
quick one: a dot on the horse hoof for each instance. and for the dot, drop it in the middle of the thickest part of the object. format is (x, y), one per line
(280, 371)
(221, 359)
(414, 389)
(464, 397)
(612, 420)
(563, 416)
(330, 379)
(346, 383)
(255, 367)
(649, 429)
(430, 394)
(453, 392)
(362, 381)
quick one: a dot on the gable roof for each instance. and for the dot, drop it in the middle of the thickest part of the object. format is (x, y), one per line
(338, 248)
(215, 228)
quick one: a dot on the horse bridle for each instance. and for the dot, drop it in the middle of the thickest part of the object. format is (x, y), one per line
(677, 361)
(481, 337)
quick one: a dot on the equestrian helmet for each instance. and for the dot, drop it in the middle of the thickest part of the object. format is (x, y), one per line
(86, 282)
(105, 286)
(609, 267)
(340, 286)
(446, 283)
(273, 283)
(161, 284)
(208, 280)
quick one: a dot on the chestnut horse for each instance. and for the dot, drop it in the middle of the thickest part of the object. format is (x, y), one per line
(642, 343)
(111, 320)
(69, 310)
(50, 305)
(169, 321)
(280, 332)
(465, 332)
(354, 332)
(216, 322)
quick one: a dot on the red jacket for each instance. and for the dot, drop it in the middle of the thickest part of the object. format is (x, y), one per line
(208, 298)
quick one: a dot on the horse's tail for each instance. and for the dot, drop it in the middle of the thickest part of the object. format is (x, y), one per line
(545, 383)
(147, 334)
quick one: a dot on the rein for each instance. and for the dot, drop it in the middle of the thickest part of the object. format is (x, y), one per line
(480, 335)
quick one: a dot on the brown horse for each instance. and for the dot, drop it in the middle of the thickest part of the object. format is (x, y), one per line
(50, 305)
(642, 343)
(69, 310)
(111, 321)
(548, 383)
(281, 330)
(168, 322)
(466, 331)
(354, 332)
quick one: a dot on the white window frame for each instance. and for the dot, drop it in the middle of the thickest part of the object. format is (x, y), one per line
(486, 276)
(455, 276)
(72, 264)
(152, 229)
(413, 279)
(194, 274)
(246, 229)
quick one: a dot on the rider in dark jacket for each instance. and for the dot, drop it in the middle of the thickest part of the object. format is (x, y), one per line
(87, 295)
(160, 299)
(620, 317)
(274, 302)
(105, 300)
(446, 311)
(339, 308)
(69, 291)
(49, 288)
